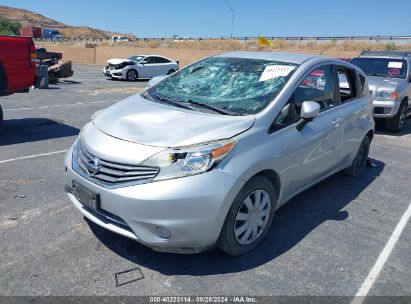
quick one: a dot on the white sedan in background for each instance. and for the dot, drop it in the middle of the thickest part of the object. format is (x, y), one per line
(140, 66)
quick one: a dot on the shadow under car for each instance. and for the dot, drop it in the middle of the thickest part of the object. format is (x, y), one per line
(16, 131)
(291, 224)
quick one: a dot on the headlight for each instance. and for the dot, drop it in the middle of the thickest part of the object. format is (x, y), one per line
(185, 161)
(388, 95)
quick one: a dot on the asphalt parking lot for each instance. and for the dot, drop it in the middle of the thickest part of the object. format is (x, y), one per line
(324, 242)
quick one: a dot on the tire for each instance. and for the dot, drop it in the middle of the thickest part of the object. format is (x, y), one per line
(3, 81)
(132, 75)
(241, 244)
(396, 123)
(170, 72)
(1, 116)
(360, 159)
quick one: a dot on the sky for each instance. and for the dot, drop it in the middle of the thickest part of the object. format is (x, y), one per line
(212, 18)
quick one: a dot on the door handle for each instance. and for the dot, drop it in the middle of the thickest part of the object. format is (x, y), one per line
(336, 122)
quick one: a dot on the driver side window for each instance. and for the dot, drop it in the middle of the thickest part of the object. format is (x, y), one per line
(316, 86)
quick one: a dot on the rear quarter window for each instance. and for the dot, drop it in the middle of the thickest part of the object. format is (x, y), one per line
(162, 60)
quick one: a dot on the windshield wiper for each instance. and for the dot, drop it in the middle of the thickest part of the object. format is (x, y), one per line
(183, 104)
(177, 103)
(217, 109)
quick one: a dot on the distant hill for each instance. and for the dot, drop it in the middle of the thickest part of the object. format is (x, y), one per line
(26, 17)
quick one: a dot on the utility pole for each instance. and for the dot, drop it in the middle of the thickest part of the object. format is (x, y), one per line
(232, 20)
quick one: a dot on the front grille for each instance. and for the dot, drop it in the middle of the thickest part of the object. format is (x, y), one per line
(112, 174)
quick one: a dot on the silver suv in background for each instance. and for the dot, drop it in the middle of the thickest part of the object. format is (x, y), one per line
(389, 78)
(207, 155)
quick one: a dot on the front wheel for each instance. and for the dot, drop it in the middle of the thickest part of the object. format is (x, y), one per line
(360, 159)
(132, 75)
(1, 116)
(249, 217)
(396, 123)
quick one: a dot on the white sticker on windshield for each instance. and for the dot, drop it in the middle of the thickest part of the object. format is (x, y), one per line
(278, 70)
(395, 64)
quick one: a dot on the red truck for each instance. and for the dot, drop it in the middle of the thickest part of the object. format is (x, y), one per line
(17, 65)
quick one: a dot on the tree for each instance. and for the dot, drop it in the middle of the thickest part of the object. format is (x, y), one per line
(9, 27)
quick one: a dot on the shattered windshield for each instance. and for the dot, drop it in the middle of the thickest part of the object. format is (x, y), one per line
(239, 85)
(135, 58)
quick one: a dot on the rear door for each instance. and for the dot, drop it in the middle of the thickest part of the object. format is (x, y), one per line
(164, 66)
(354, 106)
(312, 153)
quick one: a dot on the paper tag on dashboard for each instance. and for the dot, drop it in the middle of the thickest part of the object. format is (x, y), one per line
(395, 65)
(278, 70)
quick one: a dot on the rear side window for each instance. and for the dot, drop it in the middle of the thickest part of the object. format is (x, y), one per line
(162, 60)
(346, 82)
(316, 86)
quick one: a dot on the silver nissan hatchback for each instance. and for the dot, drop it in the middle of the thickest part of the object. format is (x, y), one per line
(206, 156)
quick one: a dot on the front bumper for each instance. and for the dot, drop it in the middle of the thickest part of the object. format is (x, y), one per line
(385, 108)
(192, 209)
(118, 74)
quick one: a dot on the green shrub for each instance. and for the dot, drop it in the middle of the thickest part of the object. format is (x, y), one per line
(9, 27)
(390, 47)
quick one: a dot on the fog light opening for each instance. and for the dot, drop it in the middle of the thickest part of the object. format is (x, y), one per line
(163, 233)
(387, 110)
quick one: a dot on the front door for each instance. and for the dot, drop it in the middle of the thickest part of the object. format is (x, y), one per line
(312, 153)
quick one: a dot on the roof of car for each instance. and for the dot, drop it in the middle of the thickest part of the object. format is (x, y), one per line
(277, 56)
(154, 55)
(388, 54)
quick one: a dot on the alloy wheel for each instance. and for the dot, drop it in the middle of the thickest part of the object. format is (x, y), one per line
(403, 116)
(132, 75)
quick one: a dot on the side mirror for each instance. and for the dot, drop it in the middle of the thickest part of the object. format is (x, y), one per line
(309, 110)
(143, 62)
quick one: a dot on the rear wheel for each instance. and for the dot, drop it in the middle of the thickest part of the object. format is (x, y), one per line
(396, 123)
(3, 81)
(170, 72)
(249, 217)
(360, 159)
(132, 75)
(1, 116)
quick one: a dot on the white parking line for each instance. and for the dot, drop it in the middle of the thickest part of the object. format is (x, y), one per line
(385, 253)
(32, 156)
(62, 105)
(392, 147)
(102, 85)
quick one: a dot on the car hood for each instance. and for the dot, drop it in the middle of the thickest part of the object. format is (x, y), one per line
(116, 61)
(138, 120)
(381, 83)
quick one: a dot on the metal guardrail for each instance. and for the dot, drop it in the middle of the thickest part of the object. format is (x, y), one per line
(285, 38)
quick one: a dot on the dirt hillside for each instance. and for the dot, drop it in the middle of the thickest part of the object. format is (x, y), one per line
(26, 17)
